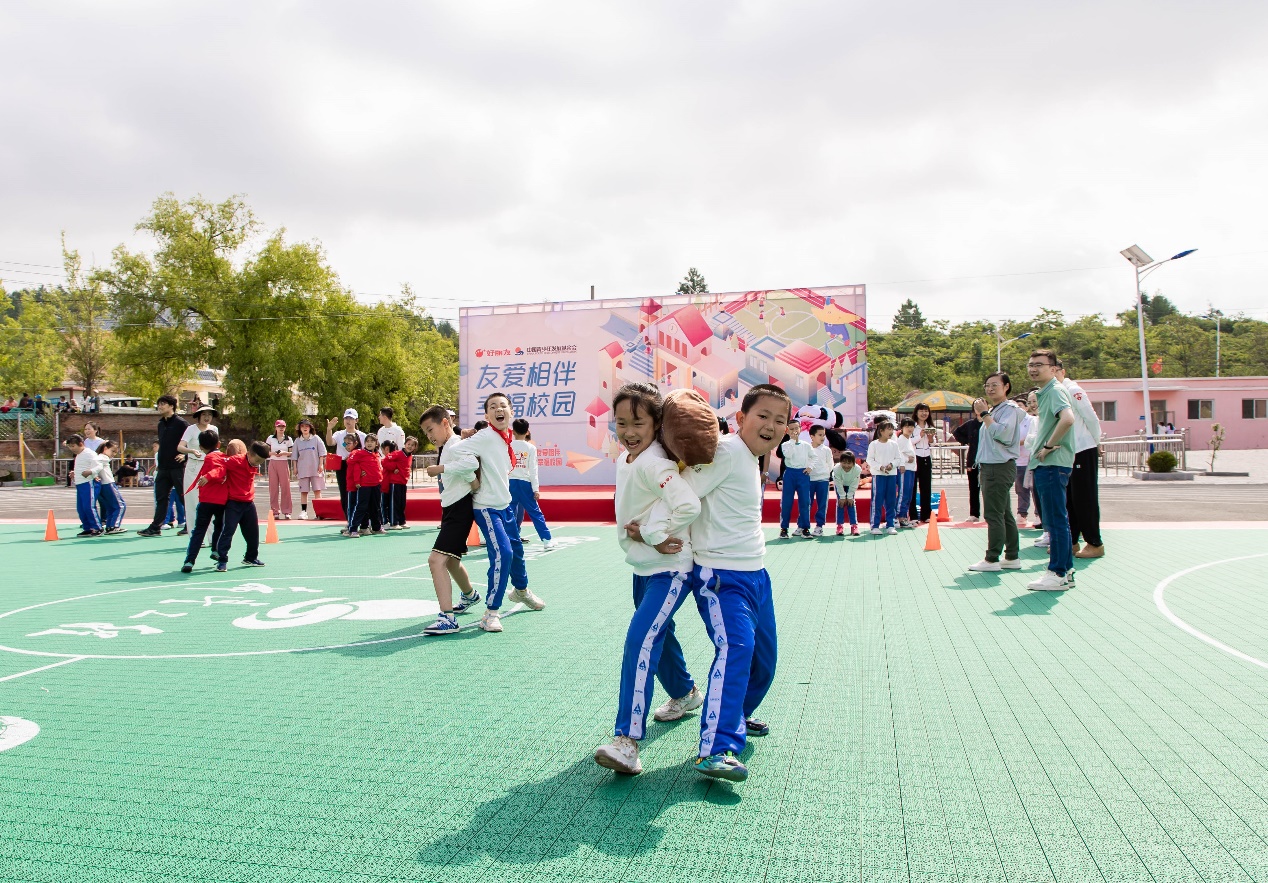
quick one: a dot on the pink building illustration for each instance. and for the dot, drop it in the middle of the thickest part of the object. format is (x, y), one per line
(802, 371)
(597, 424)
(680, 341)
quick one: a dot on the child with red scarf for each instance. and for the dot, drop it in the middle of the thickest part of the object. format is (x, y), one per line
(495, 514)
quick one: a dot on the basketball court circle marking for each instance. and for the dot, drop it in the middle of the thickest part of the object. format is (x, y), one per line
(1161, 604)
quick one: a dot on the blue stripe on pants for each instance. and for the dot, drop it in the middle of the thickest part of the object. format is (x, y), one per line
(906, 488)
(525, 503)
(884, 496)
(739, 613)
(506, 552)
(819, 494)
(86, 505)
(796, 481)
(112, 505)
(652, 649)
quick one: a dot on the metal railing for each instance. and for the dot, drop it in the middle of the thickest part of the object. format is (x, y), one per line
(28, 423)
(1131, 453)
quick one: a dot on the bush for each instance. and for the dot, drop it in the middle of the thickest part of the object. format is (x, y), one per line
(1162, 461)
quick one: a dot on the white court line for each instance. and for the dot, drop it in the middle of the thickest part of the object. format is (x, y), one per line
(404, 570)
(42, 668)
(1181, 624)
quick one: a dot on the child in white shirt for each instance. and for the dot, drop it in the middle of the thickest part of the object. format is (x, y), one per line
(525, 487)
(84, 472)
(845, 478)
(907, 472)
(796, 455)
(113, 507)
(884, 458)
(820, 475)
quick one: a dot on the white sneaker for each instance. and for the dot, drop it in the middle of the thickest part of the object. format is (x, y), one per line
(876, 531)
(1043, 541)
(491, 621)
(303, 514)
(1050, 582)
(527, 598)
(893, 531)
(1011, 564)
(676, 708)
(985, 566)
(818, 531)
(554, 544)
(621, 754)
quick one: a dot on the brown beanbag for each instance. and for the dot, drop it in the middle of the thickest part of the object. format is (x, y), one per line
(689, 428)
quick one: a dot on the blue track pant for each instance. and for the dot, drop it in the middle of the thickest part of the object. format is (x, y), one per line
(906, 488)
(113, 508)
(796, 481)
(86, 505)
(502, 541)
(884, 496)
(525, 504)
(842, 507)
(819, 494)
(652, 650)
(739, 613)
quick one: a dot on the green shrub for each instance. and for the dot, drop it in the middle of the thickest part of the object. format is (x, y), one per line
(1162, 461)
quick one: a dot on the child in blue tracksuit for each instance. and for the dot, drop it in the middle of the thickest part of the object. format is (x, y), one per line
(84, 472)
(654, 505)
(113, 507)
(906, 472)
(884, 459)
(524, 483)
(733, 590)
(796, 455)
(821, 463)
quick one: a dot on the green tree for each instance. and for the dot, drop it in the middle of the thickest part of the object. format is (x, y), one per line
(83, 307)
(909, 316)
(693, 283)
(31, 357)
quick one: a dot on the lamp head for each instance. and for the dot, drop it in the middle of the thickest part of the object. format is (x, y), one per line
(1183, 254)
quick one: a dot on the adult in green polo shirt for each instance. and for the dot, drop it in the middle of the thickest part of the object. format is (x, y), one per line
(1051, 462)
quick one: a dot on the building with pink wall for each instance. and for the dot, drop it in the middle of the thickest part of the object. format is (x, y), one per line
(1239, 404)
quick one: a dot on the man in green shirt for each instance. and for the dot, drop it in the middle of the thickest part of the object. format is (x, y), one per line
(1052, 461)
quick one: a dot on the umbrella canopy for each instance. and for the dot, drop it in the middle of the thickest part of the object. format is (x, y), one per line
(937, 400)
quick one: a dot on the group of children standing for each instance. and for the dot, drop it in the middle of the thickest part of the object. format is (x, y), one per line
(376, 475)
(810, 470)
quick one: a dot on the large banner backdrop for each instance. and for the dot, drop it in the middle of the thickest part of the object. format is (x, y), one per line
(561, 363)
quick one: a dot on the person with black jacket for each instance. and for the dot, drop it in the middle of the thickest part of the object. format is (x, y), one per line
(966, 434)
(169, 467)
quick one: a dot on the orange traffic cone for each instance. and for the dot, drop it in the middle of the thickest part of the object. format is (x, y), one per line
(473, 538)
(50, 531)
(944, 508)
(933, 543)
(270, 535)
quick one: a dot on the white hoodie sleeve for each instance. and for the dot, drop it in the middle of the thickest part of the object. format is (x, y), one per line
(532, 468)
(460, 461)
(677, 508)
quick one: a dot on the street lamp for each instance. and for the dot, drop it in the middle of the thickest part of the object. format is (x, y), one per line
(1144, 265)
(1215, 314)
(1000, 343)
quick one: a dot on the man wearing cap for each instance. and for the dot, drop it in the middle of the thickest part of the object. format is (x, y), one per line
(188, 446)
(334, 440)
(280, 447)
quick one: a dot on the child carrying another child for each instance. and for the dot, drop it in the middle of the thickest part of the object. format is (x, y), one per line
(213, 495)
(733, 589)
(524, 484)
(455, 473)
(242, 468)
(84, 471)
(845, 478)
(884, 459)
(654, 505)
(113, 506)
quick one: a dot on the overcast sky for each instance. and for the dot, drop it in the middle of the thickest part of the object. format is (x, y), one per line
(986, 160)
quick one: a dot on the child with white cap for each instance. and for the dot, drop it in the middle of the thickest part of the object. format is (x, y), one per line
(334, 439)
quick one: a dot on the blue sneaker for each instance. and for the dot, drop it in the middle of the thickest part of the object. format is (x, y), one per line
(221, 567)
(465, 602)
(754, 727)
(722, 766)
(445, 624)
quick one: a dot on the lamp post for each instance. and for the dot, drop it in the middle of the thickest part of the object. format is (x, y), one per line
(1144, 265)
(1000, 343)
(1215, 314)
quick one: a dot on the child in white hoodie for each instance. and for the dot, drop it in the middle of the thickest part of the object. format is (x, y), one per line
(884, 459)
(654, 506)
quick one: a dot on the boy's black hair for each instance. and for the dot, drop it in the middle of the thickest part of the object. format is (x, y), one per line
(478, 425)
(435, 414)
(906, 421)
(519, 426)
(75, 440)
(259, 448)
(388, 446)
(167, 400)
(764, 389)
(209, 440)
(495, 395)
(387, 412)
(817, 428)
(847, 455)
(642, 397)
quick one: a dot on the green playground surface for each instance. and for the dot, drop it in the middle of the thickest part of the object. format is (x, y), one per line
(926, 724)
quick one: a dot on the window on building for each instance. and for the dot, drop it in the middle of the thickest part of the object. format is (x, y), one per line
(1106, 411)
(1201, 409)
(1254, 409)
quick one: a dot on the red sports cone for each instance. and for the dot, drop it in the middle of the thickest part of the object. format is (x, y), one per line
(473, 538)
(933, 543)
(944, 508)
(270, 535)
(50, 531)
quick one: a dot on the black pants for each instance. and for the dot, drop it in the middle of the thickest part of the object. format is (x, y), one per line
(341, 476)
(924, 486)
(369, 508)
(240, 515)
(207, 513)
(975, 496)
(393, 505)
(166, 478)
(1082, 498)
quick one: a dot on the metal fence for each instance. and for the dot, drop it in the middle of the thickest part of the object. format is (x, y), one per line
(1131, 453)
(30, 424)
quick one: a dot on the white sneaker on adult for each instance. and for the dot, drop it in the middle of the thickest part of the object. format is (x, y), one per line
(1050, 582)
(985, 566)
(303, 514)
(676, 708)
(1011, 564)
(621, 755)
(527, 598)
(1043, 541)
(490, 622)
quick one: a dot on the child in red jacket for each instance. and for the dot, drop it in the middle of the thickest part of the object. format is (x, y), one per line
(396, 468)
(213, 494)
(364, 476)
(242, 468)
